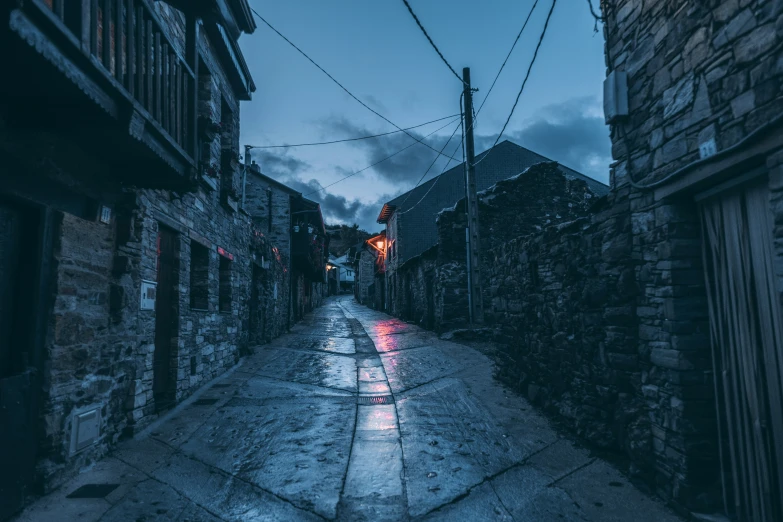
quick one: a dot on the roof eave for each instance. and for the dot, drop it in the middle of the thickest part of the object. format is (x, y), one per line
(386, 213)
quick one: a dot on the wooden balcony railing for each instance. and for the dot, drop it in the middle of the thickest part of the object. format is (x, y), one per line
(126, 39)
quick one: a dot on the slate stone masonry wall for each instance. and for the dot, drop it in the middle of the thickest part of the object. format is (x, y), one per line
(697, 71)
(512, 208)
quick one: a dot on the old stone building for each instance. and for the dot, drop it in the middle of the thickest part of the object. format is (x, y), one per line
(129, 273)
(369, 265)
(698, 167)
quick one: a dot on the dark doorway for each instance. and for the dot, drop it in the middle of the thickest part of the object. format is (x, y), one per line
(25, 254)
(430, 302)
(166, 314)
(408, 298)
(257, 308)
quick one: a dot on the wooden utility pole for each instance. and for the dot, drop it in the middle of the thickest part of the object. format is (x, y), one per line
(475, 301)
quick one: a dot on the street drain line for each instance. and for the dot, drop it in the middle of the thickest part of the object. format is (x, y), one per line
(378, 399)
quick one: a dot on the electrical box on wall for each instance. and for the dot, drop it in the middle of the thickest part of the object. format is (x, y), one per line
(616, 96)
(85, 429)
(148, 293)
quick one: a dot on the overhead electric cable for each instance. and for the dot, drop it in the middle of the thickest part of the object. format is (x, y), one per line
(416, 18)
(524, 82)
(387, 120)
(381, 161)
(448, 162)
(437, 178)
(351, 139)
(519, 34)
(476, 113)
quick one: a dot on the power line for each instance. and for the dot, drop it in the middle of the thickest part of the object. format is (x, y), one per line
(507, 57)
(380, 161)
(437, 178)
(524, 82)
(410, 10)
(340, 84)
(351, 139)
(448, 162)
(475, 115)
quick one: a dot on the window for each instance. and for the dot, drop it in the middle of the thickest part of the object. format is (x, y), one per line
(349, 272)
(224, 290)
(199, 276)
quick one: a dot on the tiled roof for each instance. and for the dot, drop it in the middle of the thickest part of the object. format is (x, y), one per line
(417, 230)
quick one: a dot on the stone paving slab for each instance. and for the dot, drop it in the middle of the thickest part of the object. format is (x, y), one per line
(297, 450)
(286, 438)
(318, 343)
(219, 492)
(411, 368)
(480, 505)
(328, 370)
(403, 341)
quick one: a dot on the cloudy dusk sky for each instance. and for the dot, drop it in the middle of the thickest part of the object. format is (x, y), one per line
(376, 50)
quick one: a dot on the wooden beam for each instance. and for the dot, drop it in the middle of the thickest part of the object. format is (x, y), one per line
(149, 58)
(106, 40)
(130, 35)
(192, 59)
(180, 72)
(118, 47)
(158, 72)
(140, 50)
(166, 94)
(94, 28)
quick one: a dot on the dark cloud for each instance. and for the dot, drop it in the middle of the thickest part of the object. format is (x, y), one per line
(276, 164)
(404, 168)
(572, 133)
(339, 209)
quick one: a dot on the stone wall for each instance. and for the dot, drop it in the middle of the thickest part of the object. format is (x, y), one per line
(365, 275)
(91, 360)
(512, 208)
(696, 72)
(563, 306)
(416, 294)
(268, 315)
(270, 207)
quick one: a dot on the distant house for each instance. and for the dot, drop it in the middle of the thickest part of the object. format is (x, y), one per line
(295, 225)
(410, 218)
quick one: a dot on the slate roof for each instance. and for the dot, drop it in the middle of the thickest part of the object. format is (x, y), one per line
(416, 227)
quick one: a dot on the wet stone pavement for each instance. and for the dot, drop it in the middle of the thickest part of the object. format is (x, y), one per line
(352, 416)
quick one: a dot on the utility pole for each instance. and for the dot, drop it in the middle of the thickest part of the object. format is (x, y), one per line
(475, 301)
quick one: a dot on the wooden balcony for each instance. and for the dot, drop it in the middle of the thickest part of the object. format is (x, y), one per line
(106, 74)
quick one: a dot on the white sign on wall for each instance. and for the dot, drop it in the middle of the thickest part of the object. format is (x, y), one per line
(149, 291)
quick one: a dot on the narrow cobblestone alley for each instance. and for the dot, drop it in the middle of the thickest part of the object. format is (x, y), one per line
(352, 416)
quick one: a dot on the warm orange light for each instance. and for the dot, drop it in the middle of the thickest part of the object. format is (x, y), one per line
(380, 244)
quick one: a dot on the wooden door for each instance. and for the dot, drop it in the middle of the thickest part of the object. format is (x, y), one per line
(20, 381)
(164, 372)
(747, 341)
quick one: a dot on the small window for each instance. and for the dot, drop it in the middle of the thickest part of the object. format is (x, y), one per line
(224, 295)
(199, 276)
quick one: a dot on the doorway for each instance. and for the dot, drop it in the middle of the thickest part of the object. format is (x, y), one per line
(257, 307)
(25, 253)
(747, 348)
(166, 320)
